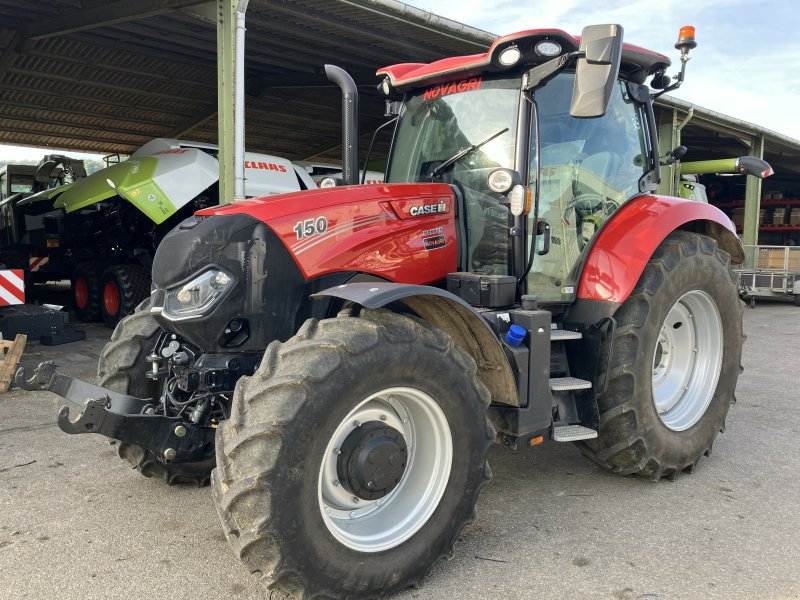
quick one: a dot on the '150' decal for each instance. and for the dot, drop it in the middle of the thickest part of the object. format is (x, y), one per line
(309, 227)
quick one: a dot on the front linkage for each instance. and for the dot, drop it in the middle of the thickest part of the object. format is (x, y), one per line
(122, 417)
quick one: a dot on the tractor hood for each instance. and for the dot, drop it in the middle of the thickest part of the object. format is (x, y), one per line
(396, 200)
(401, 231)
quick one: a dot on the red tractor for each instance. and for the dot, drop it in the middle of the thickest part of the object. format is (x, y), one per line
(346, 356)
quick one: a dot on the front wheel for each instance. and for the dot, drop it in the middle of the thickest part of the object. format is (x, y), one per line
(353, 457)
(674, 362)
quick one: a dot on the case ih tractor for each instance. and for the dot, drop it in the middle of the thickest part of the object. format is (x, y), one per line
(346, 356)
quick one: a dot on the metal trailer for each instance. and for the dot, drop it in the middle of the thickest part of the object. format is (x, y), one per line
(770, 272)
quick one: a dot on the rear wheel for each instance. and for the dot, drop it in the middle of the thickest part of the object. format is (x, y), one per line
(360, 441)
(123, 287)
(122, 367)
(675, 360)
(86, 291)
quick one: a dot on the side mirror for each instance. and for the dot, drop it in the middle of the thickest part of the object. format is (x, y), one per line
(596, 71)
(677, 153)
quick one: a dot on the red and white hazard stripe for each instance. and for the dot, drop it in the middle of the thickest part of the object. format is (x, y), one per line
(37, 262)
(12, 287)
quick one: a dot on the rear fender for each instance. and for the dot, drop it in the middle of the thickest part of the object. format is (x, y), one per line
(623, 247)
(452, 315)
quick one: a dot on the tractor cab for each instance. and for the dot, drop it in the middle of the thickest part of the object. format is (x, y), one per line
(542, 140)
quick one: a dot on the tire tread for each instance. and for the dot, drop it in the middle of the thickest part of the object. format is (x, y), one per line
(242, 487)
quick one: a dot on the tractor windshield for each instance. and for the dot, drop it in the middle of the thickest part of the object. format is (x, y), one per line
(588, 168)
(439, 122)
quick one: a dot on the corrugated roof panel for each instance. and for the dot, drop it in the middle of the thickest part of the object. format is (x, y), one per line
(111, 87)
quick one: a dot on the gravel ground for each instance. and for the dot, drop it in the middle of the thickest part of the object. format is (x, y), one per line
(75, 523)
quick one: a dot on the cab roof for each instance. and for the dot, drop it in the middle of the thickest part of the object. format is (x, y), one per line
(637, 63)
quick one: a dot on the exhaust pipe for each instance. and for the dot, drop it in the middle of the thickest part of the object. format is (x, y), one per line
(349, 122)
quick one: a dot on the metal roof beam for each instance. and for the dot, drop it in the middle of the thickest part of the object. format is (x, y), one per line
(60, 123)
(318, 38)
(114, 68)
(98, 102)
(257, 85)
(320, 150)
(67, 136)
(9, 53)
(102, 15)
(132, 44)
(60, 110)
(188, 125)
(172, 40)
(110, 86)
(389, 39)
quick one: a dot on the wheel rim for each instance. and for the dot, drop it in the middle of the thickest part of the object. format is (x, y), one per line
(687, 360)
(377, 525)
(111, 298)
(81, 291)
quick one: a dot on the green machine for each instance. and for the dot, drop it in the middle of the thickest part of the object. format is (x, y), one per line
(691, 189)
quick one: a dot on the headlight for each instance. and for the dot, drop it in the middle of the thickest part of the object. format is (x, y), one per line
(196, 297)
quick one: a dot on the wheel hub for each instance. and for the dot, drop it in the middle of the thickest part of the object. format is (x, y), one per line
(412, 443)
(372, 461)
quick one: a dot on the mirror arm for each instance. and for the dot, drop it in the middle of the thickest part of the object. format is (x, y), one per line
(544, 72)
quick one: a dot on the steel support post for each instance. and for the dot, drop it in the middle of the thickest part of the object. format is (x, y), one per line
(226, 50)
(752, 199)
(667, 122)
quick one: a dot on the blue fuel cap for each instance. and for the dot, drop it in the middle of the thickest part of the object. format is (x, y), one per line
(515, 335)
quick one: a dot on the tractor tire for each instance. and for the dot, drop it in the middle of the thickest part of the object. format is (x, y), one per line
(122, 365)
(292, 486)
(85, 287)
(123, 287)
(797, 299)
(675, 359)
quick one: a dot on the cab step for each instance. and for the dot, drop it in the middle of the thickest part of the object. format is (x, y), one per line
(572, 433)
(564, 384)
(560, 335)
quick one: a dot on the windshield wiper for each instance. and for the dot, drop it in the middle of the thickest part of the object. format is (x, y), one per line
(462, 153)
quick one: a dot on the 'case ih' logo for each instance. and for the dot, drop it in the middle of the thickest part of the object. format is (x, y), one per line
(428, 209)
(446, 89)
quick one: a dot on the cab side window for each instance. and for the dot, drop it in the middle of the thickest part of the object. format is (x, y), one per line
(588, 169)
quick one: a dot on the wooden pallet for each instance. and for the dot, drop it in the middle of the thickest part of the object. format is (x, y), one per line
(12, 352)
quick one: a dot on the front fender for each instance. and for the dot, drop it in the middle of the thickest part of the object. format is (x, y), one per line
(625, 244)
(452, 315)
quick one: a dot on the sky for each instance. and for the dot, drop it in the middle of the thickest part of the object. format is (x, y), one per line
(746, 64)
(14, 153)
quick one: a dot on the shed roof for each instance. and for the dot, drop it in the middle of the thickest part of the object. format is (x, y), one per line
(104, 76)
(107, 76)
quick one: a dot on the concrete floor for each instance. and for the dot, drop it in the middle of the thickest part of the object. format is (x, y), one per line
(75, 523)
